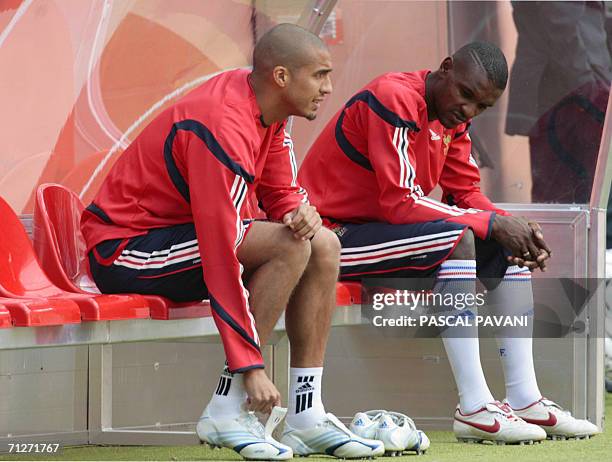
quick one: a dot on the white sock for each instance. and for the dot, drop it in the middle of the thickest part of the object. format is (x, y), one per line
(461, 343)
(514, 297)
(228, 397)
(305, 405)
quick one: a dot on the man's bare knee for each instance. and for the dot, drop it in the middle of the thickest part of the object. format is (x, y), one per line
(293, 251)
(325, 255)
(271, 242)
(465, 249)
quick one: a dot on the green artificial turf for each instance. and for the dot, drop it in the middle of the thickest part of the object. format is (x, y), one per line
(444, 447)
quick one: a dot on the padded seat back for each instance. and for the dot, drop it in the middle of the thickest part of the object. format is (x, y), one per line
(19, 267)
(58, 241)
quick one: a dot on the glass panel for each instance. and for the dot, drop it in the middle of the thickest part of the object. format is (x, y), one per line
(80, 79)
(543, 138)
(369, 38)
(540, 141)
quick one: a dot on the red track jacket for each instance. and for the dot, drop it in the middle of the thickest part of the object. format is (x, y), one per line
(200, 161)
(379, 157)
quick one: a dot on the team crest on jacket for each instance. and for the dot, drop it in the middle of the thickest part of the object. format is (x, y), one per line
(446, 139)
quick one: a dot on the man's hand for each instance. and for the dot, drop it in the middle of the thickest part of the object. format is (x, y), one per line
(304, 221)
(261, 392)
(524, 239)
(545, 252)
(532, 265)
(539, 237)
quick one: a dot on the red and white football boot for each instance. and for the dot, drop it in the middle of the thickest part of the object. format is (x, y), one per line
(495, 422)
(557, 422)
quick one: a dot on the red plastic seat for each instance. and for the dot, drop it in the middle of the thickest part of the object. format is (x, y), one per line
(40, 312)
(5, 317)
(164, 309)
(22, 277)
(354, 290)
(60, 247)
(57, 238)
(343, 295)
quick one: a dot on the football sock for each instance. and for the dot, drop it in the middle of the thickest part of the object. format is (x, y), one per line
(458, 277)
(228, 397)
(514, 297)
(305, 405)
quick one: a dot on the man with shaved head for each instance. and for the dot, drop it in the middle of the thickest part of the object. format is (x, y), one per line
(173, 218)
(369, 174)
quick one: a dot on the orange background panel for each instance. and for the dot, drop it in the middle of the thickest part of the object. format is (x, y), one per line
(143, 62)
(36, 90)
(79, 81)
(76, 77)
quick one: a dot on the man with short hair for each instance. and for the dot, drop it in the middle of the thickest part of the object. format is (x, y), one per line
(388, 147)
(172, 218)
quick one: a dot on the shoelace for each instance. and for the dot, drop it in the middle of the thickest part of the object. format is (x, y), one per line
(252, 423)
(250, 420)
(276, 416)
(375, 414)
(399, 418)
(549, 403)
(504, 410)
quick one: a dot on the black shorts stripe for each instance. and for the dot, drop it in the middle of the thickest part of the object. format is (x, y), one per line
(379, 248)
(178, 279)
(410, 250)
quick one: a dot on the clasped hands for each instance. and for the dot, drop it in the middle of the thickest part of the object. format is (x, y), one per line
(524, 239)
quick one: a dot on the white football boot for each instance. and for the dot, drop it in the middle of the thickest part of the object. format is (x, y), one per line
(417, 439)
(365, 424)
(397, 431)
(422, 445)
(330, 437)
(557, 422)
(245, 435)
(495, 422)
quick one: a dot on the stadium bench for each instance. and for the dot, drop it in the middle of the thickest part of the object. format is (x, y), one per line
(41, 312)
(61, 249)
(47, 301)
(21, 277)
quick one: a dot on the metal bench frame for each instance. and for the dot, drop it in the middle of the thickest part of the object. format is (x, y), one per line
(102, 335)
